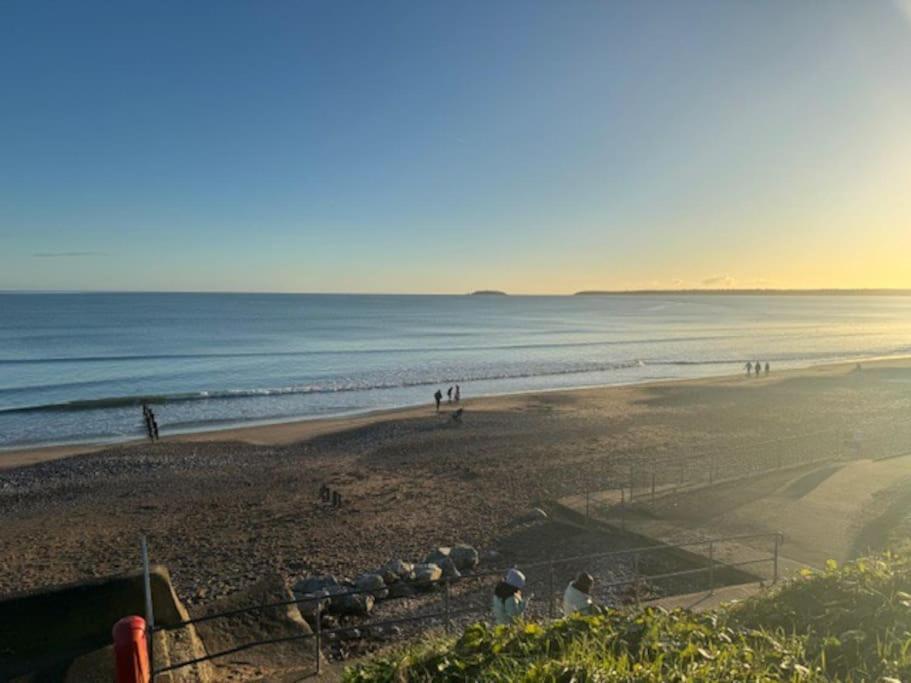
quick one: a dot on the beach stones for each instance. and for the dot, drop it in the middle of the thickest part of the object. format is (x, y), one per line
(427, 574)
(464, 556)
(373, 583)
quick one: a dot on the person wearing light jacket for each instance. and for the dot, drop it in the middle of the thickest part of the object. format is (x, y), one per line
(508, 603)
(577, 597)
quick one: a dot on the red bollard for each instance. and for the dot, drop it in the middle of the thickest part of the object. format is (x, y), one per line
(131, 650)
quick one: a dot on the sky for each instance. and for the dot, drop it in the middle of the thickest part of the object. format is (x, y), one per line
(442, 147)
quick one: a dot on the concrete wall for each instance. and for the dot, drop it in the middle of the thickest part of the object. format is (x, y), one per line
(43, 631)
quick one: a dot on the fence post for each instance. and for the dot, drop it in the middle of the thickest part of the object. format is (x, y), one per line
(448, 623)
(319, 636)
(150, 611)
(775, 565)
(711, 566)
(551, 612)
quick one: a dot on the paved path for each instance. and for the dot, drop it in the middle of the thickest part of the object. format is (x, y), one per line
(821, 510)
(699, 602)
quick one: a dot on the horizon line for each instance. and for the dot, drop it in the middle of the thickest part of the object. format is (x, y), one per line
(768, 291)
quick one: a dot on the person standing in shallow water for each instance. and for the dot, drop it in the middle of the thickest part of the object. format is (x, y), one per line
(749, 367)
(758, 368)
(458, 394)
(767, 367)
(438, 396)
(449, 395)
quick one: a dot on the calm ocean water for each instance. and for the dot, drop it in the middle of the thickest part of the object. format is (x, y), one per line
(75, 366)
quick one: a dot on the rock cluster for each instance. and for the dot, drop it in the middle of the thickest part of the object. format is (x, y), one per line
(328, 597)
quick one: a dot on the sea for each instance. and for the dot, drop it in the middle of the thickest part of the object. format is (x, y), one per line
(77, 367)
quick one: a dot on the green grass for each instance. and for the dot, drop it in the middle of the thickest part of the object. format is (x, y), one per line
(850, 623)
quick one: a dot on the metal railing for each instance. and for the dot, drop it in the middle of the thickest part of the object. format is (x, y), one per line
(617, 486)
(447, 613)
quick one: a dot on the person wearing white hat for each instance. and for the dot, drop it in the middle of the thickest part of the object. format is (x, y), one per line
(508, 603)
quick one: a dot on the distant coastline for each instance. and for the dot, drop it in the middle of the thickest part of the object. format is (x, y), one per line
(488, 292)
(750, 292)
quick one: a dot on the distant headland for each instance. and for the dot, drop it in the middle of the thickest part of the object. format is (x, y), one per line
(488, 292)
(750, 292)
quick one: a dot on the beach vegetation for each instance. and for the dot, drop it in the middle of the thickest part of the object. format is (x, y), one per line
(846, 623)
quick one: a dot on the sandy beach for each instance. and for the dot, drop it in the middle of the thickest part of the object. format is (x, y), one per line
(221, 508)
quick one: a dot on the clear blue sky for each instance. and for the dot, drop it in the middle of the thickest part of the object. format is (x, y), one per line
(443, 147)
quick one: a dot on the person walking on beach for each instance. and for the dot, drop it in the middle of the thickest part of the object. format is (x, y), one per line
(577, 597)
(749, 367)
(508, 603)
(458, 394)
(153, 425)
(148, 421)
(758, 368)
(767, 368)
(438, 396)
(449, 395)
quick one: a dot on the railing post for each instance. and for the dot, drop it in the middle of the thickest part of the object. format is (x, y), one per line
(150, 611)
(775, 564)
(448, 623)
(319, 636)
(551, 612)
(711, 566)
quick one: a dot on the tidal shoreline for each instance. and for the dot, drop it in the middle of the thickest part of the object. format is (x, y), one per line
(286, 431)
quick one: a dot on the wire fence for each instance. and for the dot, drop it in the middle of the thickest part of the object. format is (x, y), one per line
(469, 595)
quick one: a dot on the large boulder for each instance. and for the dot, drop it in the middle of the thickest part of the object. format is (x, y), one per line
(427, 574)
(373, 583)
(315, 584)
(401, 589)
(464, 556)
(403, 571)
(437, 555)
(448, 569)
(359, 604)
(313, 604)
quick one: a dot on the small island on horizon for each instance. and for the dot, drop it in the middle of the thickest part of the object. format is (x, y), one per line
(488, 292)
